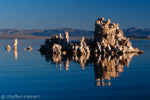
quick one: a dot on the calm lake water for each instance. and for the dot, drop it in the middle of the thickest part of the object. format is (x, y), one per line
(54, 77)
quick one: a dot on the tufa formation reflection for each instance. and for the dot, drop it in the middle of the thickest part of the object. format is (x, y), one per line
(105, 66)
(15, 54)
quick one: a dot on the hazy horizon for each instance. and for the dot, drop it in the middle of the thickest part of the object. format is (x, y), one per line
(64, 28)
(78, 14)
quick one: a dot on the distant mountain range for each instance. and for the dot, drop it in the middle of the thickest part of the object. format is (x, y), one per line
(137, 32)
(42, 34)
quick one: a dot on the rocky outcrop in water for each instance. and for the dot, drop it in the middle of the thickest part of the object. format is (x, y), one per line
(108, 39)
(61, 45)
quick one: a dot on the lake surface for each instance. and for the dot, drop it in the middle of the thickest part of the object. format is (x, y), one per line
(30, 75)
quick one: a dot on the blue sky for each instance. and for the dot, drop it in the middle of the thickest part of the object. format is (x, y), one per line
(78, 14)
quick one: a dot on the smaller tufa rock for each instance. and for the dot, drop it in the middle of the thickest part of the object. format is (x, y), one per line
(24, 49)
(60, 36)
(108, 22)
(83, 48)
(8, 47)
(56, 48)
(29, 48)
(15, 42)
(66, 36)
(65, 41)
(101, 19)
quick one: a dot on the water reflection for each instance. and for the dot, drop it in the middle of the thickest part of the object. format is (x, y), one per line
(15, 54)
(8, 50)
(105, 66)
(82, 59)
(59, 60)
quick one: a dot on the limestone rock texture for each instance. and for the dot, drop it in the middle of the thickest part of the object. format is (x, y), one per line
(80, 47)
(109, 38)
(56, 48)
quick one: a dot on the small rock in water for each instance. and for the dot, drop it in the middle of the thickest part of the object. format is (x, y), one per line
(24, 49)
(8, 47)
(29, 48)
